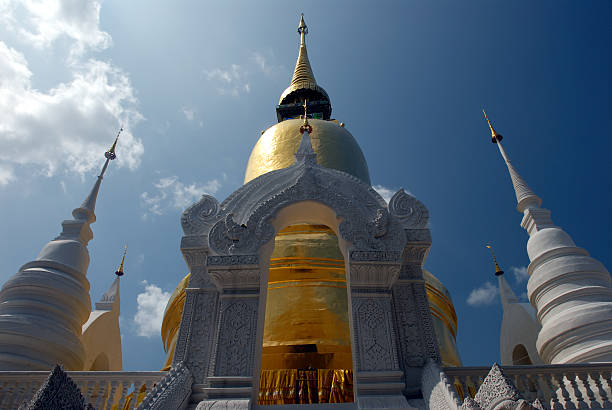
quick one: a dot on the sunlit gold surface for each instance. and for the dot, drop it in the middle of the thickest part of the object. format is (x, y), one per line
(292, 386)
(335, 147)
(440, 304)
(306, 323)
(172, 320)
(444, 319)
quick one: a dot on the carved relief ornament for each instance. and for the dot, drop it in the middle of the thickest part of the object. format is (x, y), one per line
(242, 225)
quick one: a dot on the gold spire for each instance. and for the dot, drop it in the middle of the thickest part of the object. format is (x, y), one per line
(303, 71)
(120, 270)
(494, 135)
(305, 112)
(498, 271)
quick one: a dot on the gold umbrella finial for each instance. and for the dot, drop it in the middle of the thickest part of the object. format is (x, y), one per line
(498, 271)
(110, 154)
(305, 112)
(119, 271)
(305, 126)
(494, 135)
(302, 29)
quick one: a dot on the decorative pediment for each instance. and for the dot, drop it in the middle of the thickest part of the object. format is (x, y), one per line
(242, 223)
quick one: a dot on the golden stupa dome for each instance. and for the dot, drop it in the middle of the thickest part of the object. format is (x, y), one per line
(335, 147)
(307, 265)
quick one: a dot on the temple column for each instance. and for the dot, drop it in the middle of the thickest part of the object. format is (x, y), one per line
(230, 382)
(415, 332)
(378, 376)
(195, 339)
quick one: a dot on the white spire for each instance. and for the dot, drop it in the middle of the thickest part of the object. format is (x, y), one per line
(42, 337)
(87, 208)
(506, 293)
(525, 197)
(570, 291)
(110, 299)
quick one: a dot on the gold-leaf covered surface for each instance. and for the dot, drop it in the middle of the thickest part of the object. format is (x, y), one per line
(335, 147)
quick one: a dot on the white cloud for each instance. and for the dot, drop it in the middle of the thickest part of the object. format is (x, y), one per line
(520, 273)
(173, 194)
(483, 295)
(189, 113)
(232, 81)
(385, 192)
(235, 79)
(42, 22)
(70, 126)
(263, 63)
(6, 174)
(151, 305)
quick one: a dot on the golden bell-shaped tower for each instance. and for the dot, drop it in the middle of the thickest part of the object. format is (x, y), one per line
(306, 323)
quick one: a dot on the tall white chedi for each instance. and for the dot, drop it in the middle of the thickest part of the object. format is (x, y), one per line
(571, 292)
(45, 304)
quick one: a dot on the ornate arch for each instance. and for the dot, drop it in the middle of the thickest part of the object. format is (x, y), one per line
(242, 223)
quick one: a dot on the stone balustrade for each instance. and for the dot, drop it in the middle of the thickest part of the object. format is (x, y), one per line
(556, 386)
(104, 390)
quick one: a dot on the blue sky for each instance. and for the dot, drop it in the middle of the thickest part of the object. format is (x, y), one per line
(194, 83)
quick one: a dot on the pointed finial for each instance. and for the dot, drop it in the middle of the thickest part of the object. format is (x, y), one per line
(525, 197)
(302, 29)
(306, 127)
(498, 271)
(303, 71)
(495, 137)
(110, 154)
(86, 211)
(120, 270)
(305, 112)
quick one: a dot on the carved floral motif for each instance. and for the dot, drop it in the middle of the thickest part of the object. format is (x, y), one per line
(200, 215)
(237, 338)
(376, 349)
(409, 210)
(172, 390)
(201, 335)
(495, 389)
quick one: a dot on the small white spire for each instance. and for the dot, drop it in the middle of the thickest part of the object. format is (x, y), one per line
(525, 197)
(506, 293)
(110, 297)
(87, 208)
